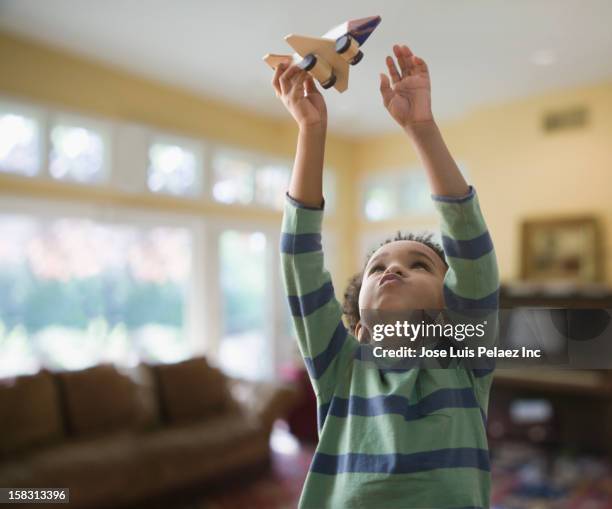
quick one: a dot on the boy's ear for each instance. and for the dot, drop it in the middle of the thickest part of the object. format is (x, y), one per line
(360, 332)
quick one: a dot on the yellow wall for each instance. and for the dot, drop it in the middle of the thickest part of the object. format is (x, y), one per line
(521, 172)
(518, 171)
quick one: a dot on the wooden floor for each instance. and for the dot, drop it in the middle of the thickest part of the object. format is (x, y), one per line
(524, 477)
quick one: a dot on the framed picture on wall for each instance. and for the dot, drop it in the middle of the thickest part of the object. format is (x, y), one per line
(562, 249)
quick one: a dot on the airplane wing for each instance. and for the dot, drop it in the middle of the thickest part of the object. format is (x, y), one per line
(326, 49)
(273, 59)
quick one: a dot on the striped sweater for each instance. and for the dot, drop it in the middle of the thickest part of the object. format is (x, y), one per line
(406, 439)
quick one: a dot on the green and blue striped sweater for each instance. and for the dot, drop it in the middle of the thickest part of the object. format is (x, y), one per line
(406, 439)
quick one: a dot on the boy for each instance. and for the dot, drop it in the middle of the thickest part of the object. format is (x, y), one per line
(412, 438)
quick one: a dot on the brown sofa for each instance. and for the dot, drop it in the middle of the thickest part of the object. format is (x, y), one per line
(119, 437)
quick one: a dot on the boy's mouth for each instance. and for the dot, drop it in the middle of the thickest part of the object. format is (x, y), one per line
(389, 278)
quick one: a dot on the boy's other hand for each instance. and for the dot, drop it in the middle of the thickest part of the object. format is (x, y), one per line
(300, 95)
(407, 96)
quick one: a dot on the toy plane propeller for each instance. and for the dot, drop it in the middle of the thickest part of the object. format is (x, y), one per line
(327, 58)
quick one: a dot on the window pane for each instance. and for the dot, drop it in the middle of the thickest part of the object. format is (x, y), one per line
(415, 195)
(232, 180)
(271, 183)
(75, 292)
(77, 153)
(172, 169)
(245, 351)
(19, 144)
(380, 202)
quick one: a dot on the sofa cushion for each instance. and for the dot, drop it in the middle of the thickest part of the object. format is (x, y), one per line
(100, 471)
(201, 450)
(191, 390)
(100, 400)
(30, 412)
(215, 434)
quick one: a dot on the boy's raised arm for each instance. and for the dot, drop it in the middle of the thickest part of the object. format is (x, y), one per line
(472, 280)
(445, 179)
(322, 337)
(298, 92)
(306, 184)
(407, 97)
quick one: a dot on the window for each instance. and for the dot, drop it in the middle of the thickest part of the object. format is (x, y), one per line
(20, 141)
(250, 179)
(81, 285)
(74, 148)
(79, 151)
(233, 178)
(77, 292)
(398, 193)
(415, 195)
(174, 168)
(380, 199)
(271, 184)
(241, 178)
(245, 346)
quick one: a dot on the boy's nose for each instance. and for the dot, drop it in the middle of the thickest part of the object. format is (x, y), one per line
(395, 269)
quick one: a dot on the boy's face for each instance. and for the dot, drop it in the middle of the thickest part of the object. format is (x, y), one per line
(403, 275)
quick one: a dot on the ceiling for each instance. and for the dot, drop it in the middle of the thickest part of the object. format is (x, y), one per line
(478, 51)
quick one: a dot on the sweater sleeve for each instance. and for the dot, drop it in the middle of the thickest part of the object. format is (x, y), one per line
(471, 284)
(325, 344)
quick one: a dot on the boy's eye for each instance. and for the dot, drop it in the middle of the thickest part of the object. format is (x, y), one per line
(376, 268)
(420, 265)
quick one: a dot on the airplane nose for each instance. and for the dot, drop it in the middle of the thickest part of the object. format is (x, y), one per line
(367, 20)
(361, 28)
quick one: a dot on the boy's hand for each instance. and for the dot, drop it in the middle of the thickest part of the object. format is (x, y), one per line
(299, 93)
(408, 96)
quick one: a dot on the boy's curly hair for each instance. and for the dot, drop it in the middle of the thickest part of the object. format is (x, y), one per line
(350, 306)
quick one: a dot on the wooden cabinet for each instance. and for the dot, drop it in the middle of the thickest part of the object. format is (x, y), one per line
(581, 399)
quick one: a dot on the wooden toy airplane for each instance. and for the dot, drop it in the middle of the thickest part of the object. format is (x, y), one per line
(327, 58)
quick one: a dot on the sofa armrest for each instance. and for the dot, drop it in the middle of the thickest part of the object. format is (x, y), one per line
(265, 401)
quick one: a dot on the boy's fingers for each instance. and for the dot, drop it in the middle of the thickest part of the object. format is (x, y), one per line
(385, 89)
(420, 64)
(311, 86)
(395, 77)
(401, 60)
(297, 86)
(286, 77)
(308, 85)
(275, 79)
(407, 57)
